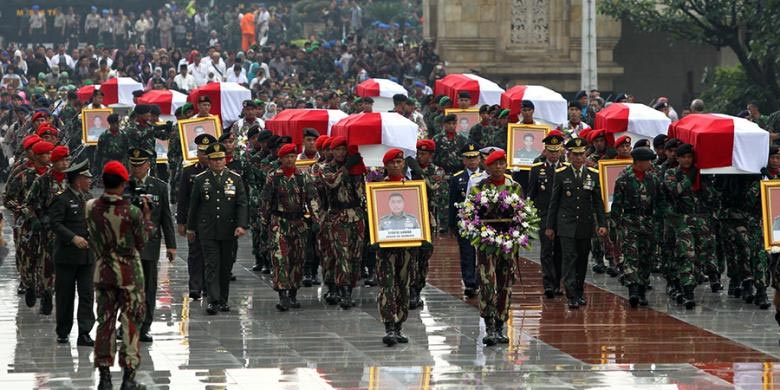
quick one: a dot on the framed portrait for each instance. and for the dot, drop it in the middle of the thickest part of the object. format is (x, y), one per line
(191, 128)
(770, 208)
(608, 173)
(161, 149)
(121, 109)
(467, 118)
(93, 123)
(524, 144)
(304, 163)
(398, 213)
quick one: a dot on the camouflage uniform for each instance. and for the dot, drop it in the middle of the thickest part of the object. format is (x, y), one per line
(254, 186)
(111, 146)
(117, 234)
(448, 158)
(71, 126)
(175, 161)
(434, 181)
(29, 242)
(598, 250)
(494, 136)
(13, 200)
(323, 246)
(143, 136)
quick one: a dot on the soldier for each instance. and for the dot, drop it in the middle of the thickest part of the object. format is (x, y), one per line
(73, 261)
(458, 185)
(249, 119)
(141, 133)
(38, 200)
(495, 136)
(448, 144)
(575, 199)
(392, 268)
(175, 157)
(204, 107)
(309, 148)
(257, 141)
(772, 172)
(476, 131)
(194, 254)
(112, 144)
(117, 232)
(574, 125)
(317, 247)
(218, 215)
(164, 130)
(142, 185)
(496, 270)
(688, 201)
(634, 208)
(541, 179)
(71, 121)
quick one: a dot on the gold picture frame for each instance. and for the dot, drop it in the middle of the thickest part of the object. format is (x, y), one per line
(608, 174)
(304, 163)
(521, 158)
(188, 132)
(770, 194)
(468, 116)
(90, 135)
(412, 223)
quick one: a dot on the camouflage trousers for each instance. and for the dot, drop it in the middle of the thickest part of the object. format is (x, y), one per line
(347, 237)
(18, 252)
(392, 273)
(418, 269)
(311, 264)
(666, 255)
(31, 248)
(44, 266)
(737, 248)
(759, 261)
(495, 275)
(261, 241)
(325, 251)
(114, 297)
(694, 249)
(638, 249)
(288, 237)
(174, 177)
(440, 206)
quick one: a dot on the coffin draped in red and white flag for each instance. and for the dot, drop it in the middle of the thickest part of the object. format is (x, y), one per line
(119, 90)
(167, 100)
(723, 143)
(227, 100)
(379, 87)
(292, 122)
(375, 133)
(482, 90)
(635, 120)
(549, 105)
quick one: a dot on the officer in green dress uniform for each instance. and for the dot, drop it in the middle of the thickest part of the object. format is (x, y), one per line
(458, 187)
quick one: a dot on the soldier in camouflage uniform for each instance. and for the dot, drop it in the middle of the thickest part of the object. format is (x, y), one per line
(113, 144)
(634, 207)
(39, 198)
(496, 135)
(772, 172)
(141, 132)
(175, 156)
(261, 169)
(448, 147)
(249, 119)
(323, 246)
(345, 224)
(290, 197)
(476, 131)
(71, 121)
(311, 151)
(689, 200)
(600, 151)
(257, 142)
(666, 250)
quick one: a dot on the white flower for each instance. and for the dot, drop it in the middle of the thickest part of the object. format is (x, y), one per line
(516, 234)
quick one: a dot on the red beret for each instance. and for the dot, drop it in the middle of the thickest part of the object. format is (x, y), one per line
(392, 154)
(326, 143)
(495, 156)
(320, 140)
(584, 133)
(47, 128)
(39, 114)
(114, 167)
(338, 141)
(30, 140)
(427, 145)
(595, 134)
(59, 152)
(42, 147)
(623, 139)
(557, 132)
(287, 149)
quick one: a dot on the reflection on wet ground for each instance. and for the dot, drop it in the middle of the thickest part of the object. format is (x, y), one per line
(324, 347)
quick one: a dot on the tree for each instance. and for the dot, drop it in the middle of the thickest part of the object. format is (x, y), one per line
(744, 26)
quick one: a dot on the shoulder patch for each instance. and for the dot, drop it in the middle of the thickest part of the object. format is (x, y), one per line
(594, 170)
(457, 173)
(537, 164)
(199, 174)
(566, 163)
(561, 169)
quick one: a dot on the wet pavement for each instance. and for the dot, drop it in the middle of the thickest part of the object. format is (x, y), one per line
(721, 344)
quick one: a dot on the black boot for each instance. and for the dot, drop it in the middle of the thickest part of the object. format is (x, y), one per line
(315, 279)
(306, 282)
(21, 290)
(400, 336)
(29, 297)
(293, 294)
(679, 294)
(690, 302)
(128, 380)
(599, 268)
(500, 336)
(46, 303)
(642, 297)
(762, 301)
(732, 286)
(105, 379)
(777, 317)
(346, 297)
(390, 338)
(370, 280)
(747, 291)
(715, 285)
(413, 299)
(633, 295)
(331, 298)
(284, 301)
(490, 330)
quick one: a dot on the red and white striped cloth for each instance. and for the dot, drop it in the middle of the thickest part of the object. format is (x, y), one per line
(548, 104)
(632, 119)
(292, 122)
(119, 90)
(377, 132)
(723, 143)
(482, 90)
(227, 100)
(379, 87)
(167, 100)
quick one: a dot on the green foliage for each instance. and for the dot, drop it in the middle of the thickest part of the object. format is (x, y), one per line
(731, 90)
(384, 11)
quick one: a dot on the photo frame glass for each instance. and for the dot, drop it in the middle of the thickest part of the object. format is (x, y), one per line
(161, 149)
(398, 213)
(191, 128)
(524, 144)
(770, 207)
(609, 170)
(466, 119)
(94, 122)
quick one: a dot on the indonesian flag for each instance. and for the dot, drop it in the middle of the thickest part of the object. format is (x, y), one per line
(723, 143)
(548, 104)
(167, 100)
(227, 100)
(119, 90)
(377, 132)
(379, 87)
(634, 119)
(85, 93)
(292, 122)
(483, 91)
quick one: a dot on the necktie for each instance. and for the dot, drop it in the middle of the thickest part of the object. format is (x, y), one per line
(577, 174)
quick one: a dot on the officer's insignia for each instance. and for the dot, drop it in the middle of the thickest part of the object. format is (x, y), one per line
(471, 147)
(136, 153)
(205, 141)
(541, 187)
(554, 141)
(217, 148)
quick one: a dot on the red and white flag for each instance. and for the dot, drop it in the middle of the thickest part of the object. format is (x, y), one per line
(119, 90)
(167, 100)
(548, 104)
(227, 100)
(379, 87)
(632, 119)
(375, 133)
(292, 122)
(482, 90)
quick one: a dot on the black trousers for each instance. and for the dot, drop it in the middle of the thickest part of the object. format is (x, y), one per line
(218, 257)
(468, 263)
(550, 257)
(150, 289)
(67, 280)
(574, 264)
(195, 266)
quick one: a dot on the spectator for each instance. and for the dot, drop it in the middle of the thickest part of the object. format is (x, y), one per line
(248, 37)
(165, 28)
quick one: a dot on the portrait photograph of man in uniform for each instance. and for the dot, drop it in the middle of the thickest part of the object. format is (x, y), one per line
(397, 220)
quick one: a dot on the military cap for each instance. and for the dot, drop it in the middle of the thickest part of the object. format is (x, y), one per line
(338, 141)
(684, 149)
(672, 143)
(642, 154)
(59, 152)
(264, 135)
(449, 118)
(38, 115)
(426, 145)
(30, 140)
(399, 98)
(774, 150)
(367, 99)
(139, 156)
(661, 105)
(580, 95)
(660, 140)
(186, 107)
(154, 109)
(309, 132)
(494, 156)
(253, 131)
(642, 143)
(204, 140)
(392, 154)
(594, 134)
(249, 103)
(553, 141)
(204, 99)
(141, 109)
(484, 108)
(503, 113)
(471, 149)
(489, 149)
(287, 149)
(464, 95)
(574, 104)
(215, 151)
(224, 136)
(116, 168)
(576, 145)
(445, 100)
(624, 139)
(285, 139)
(320, 140)
(80, 168)
(527, 104)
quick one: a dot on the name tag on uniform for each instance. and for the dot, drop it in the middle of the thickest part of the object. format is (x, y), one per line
(588, 184)
(230, 189)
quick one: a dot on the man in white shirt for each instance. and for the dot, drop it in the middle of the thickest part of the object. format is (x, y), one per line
(262, 25)
(198, 69)
(63, 60)
(236, 75)
(184, 81)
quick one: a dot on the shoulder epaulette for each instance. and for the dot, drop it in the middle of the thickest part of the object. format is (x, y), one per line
(201, 173)
(457, 173)
(537, 164)
(561, 169)
(594, 170)
(476, 174)
(508, 176)
(566, 163)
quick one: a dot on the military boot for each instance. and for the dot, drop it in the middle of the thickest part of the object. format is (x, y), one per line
(633, 295)
(370, 280)
(689, 299)
(642, 297)
(599, 268)
(306, 282)
(777, 317)
(346, 297)
(331, 298)
(715, 285)
(284, 301)
(747, 291)
(128, 381)
(413, 299)
(400, 336)
(46, 303)
(500, 336)
(679, 293)
(315, 279)
(293, 295)
(390, 338)
(762, 301)
(490, 332)
(104, 382)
